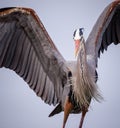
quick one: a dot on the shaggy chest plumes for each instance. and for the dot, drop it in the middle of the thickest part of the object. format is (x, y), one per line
(84, 84)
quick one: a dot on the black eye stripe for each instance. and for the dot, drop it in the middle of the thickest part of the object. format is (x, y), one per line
(81, 31)
(74, 33)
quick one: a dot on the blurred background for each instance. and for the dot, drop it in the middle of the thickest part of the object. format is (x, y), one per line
(19, 105)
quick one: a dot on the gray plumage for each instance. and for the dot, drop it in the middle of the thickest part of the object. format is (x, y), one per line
(26, 48)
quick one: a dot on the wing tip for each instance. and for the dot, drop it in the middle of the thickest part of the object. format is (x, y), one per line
(57, 110)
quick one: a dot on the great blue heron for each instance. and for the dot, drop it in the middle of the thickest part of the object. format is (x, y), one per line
(26, 48)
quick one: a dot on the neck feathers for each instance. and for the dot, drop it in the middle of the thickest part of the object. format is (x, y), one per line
(84, 87)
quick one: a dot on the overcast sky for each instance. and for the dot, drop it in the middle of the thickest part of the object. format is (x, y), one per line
(21, 108)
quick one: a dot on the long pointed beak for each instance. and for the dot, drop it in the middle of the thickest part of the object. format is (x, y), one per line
(77, 45)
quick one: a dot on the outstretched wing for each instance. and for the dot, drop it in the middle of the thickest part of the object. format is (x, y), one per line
(26, 48)
(105, 32)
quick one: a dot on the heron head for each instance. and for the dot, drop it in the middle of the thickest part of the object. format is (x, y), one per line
(77, 36)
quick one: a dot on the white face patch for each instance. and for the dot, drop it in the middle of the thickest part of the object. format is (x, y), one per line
(77, 35)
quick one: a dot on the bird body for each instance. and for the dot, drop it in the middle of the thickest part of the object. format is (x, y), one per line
(27, 49)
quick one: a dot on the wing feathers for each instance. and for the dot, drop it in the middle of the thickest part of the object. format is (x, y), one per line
(23, 55)
(112, 31)
(46, 88)
(26, 48)
(105, 32)
(34, 70)
(42, 82)
(5, 37)
(11, 48)
(117, 24)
